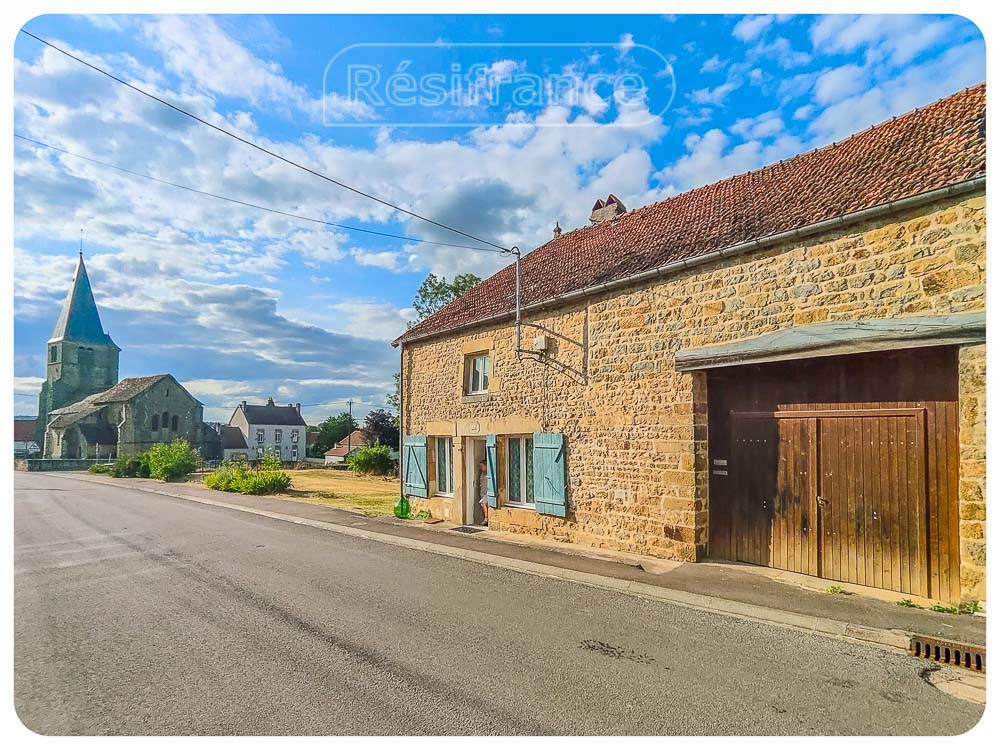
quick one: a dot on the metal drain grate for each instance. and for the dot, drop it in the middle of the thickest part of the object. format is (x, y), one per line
(468, 529)
(956, 654)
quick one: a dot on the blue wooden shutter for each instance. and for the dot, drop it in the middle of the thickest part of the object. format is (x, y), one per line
(491, 470)
(549, 455)
(415, 465)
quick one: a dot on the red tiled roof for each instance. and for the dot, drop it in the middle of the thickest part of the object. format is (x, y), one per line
(24, 430)
(933, 147)
(340, 449)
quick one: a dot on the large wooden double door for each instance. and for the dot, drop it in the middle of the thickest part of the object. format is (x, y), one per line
(846, 500)
(844, 468)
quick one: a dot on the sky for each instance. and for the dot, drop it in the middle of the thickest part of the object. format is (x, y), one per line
(498, 126)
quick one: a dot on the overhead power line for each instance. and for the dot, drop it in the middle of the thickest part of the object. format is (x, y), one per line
(239, 202)
(260, 148)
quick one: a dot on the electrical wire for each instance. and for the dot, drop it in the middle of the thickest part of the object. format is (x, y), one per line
(245, 203)
(260, 148)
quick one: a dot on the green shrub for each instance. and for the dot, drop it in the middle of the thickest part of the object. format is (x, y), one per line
(270, 462)
(100, 469)
(131, 466)
(372, 459)
(238, 476)
(265, 482)
(171, 460)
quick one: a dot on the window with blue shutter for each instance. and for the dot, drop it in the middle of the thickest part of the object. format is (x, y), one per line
(491, 470)
(549, 453)
(415, 465)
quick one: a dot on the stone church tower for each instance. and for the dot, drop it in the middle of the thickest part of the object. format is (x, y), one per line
(82, 359)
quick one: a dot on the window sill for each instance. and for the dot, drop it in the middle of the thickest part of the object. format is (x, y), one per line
(520, 506)
(475, 398)
(444, 494)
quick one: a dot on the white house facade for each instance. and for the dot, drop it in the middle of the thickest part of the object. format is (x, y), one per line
(271, 429)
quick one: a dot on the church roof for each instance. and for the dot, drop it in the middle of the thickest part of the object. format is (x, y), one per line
(126, 390)
(79, 319)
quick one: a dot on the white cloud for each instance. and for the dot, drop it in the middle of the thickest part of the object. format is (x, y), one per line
(750, 27)
(839, 83)
(712, 64)
(897, 38)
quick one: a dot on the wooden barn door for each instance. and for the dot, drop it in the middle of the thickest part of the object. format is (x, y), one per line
(873, 498)
(774, 473)
(834, 493)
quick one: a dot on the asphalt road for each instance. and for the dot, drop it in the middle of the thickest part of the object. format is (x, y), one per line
(137, 613)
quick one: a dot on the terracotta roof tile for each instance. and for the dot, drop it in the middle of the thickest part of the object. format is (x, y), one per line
(930, 148)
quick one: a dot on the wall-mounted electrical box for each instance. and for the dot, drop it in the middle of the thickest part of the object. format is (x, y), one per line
(541, 343)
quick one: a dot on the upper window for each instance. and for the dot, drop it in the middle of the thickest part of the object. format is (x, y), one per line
(156, 423)
(277, 435)
(260, 436)
(164, 419)
(445, 472)
(53, 354)
(295, 436)
(173, 423)
(477, 374)
(520, 471)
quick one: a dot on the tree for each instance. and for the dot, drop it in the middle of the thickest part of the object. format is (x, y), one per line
(331, 431)
(380, 426)
(434, 293)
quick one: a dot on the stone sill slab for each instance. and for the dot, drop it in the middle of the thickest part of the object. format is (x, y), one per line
(730, 589)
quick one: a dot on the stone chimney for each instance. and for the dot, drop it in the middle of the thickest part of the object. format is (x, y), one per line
(557, 230)
(607, 209)
(270, 401)
(243, 405)
(298, 407)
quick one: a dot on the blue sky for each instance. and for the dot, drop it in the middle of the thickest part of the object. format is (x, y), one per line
(240, 304)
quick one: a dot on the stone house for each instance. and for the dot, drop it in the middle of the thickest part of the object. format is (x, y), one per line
(784, 368)
(278, 430)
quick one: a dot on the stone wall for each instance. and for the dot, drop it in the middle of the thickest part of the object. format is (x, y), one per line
(636, 429)
(168, 396)
(972, 471)
(53, 464)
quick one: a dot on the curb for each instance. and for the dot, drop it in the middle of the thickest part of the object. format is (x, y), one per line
(895, 639)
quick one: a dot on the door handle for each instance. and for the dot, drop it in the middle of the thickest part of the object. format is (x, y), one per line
(821, 500)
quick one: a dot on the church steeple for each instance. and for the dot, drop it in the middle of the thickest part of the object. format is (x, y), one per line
(79, 319)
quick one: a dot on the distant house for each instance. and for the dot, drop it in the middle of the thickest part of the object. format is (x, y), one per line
(278, 430)
(339, 453)
(24, 437)
(234, 444)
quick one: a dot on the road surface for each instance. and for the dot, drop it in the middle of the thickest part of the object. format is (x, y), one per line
(137, 613)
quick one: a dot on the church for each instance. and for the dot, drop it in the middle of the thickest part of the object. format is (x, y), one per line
(84, 411)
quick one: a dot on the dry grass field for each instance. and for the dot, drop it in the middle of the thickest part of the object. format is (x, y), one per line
(343, 489)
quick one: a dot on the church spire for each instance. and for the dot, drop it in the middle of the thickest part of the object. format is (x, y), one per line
(79, 319)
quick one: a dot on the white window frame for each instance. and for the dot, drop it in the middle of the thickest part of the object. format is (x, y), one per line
(477, 364)
(277, 450)
(260, 452)
(449, 454)
(295, 436)
(295, 453)
(522, 458)
(260, 436)
(277, 436)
